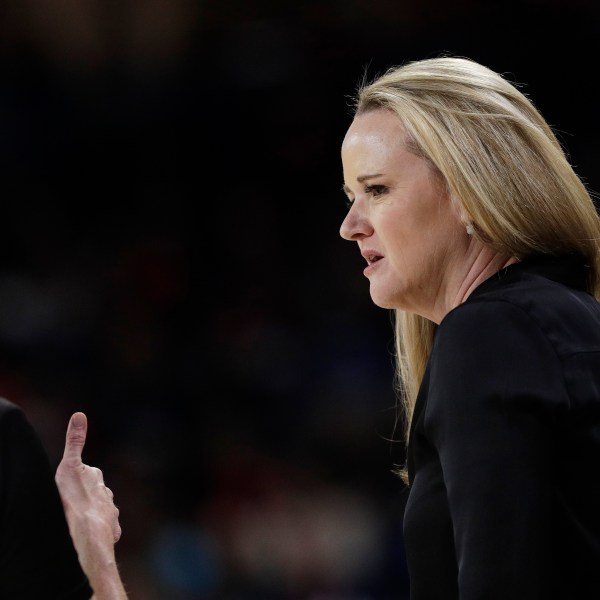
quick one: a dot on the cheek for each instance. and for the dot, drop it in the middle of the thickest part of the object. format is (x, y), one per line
(421, 239)
(402, 231)
(404, 249)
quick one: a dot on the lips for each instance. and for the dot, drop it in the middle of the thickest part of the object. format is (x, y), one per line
(371, 256)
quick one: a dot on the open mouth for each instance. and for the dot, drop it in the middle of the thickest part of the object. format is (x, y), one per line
(373, 258)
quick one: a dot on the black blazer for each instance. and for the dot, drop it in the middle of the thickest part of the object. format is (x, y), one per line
(37, 556)
(504, 451)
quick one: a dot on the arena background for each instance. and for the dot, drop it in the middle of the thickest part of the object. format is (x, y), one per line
(170, 264)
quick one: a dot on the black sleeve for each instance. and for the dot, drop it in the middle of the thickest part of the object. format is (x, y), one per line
(499, 394)
(37, 556)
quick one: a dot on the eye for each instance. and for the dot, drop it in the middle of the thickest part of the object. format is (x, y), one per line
(375, 190)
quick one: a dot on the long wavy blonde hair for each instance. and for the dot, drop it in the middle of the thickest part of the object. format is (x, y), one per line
(501, 162)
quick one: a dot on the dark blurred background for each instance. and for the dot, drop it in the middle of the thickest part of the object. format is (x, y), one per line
(170, 264)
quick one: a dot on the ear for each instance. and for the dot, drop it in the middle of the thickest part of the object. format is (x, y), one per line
(462, 214)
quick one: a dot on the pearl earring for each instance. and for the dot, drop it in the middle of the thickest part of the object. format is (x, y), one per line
(470, 229)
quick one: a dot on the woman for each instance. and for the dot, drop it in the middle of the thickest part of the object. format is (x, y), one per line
(481, 237)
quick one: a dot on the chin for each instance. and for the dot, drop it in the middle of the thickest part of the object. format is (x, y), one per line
(383, 301)
(392, 297)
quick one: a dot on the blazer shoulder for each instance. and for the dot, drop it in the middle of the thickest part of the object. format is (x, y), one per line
(7, 407)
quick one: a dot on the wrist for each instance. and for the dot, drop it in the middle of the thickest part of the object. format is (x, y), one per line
(107, 584)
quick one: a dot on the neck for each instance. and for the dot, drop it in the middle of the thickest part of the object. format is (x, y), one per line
(481, 263)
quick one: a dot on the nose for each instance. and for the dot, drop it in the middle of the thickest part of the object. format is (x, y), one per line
(355, 225)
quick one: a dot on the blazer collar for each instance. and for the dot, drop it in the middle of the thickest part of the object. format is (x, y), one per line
(571, 271)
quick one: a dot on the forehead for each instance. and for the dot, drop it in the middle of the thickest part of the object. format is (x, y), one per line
(374, 132)
(374, 143)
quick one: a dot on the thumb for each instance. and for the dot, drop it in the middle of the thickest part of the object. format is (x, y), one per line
(76, 434)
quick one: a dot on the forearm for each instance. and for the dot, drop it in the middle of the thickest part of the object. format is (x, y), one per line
(95, 548)
(107, 585)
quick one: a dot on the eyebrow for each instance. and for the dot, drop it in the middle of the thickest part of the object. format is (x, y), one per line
(360, 179)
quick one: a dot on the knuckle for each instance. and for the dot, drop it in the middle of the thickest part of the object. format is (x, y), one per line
(76, 439)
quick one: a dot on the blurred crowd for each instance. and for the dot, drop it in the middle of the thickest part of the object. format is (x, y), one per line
(170, 264)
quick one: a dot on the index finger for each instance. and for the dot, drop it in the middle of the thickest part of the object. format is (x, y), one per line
(76, 435)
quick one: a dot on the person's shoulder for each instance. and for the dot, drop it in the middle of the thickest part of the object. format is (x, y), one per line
(485, 310)
(14, 424)
(9, 409)
(483, 320)
(566, 317)
(8, 406)
(533, 292)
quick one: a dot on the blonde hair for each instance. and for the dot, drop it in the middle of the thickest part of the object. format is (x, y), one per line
(501, 162)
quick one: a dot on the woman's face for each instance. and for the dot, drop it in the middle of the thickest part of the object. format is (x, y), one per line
(401, 215)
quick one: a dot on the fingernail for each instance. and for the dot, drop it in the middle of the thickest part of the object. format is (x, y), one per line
(78, 420)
